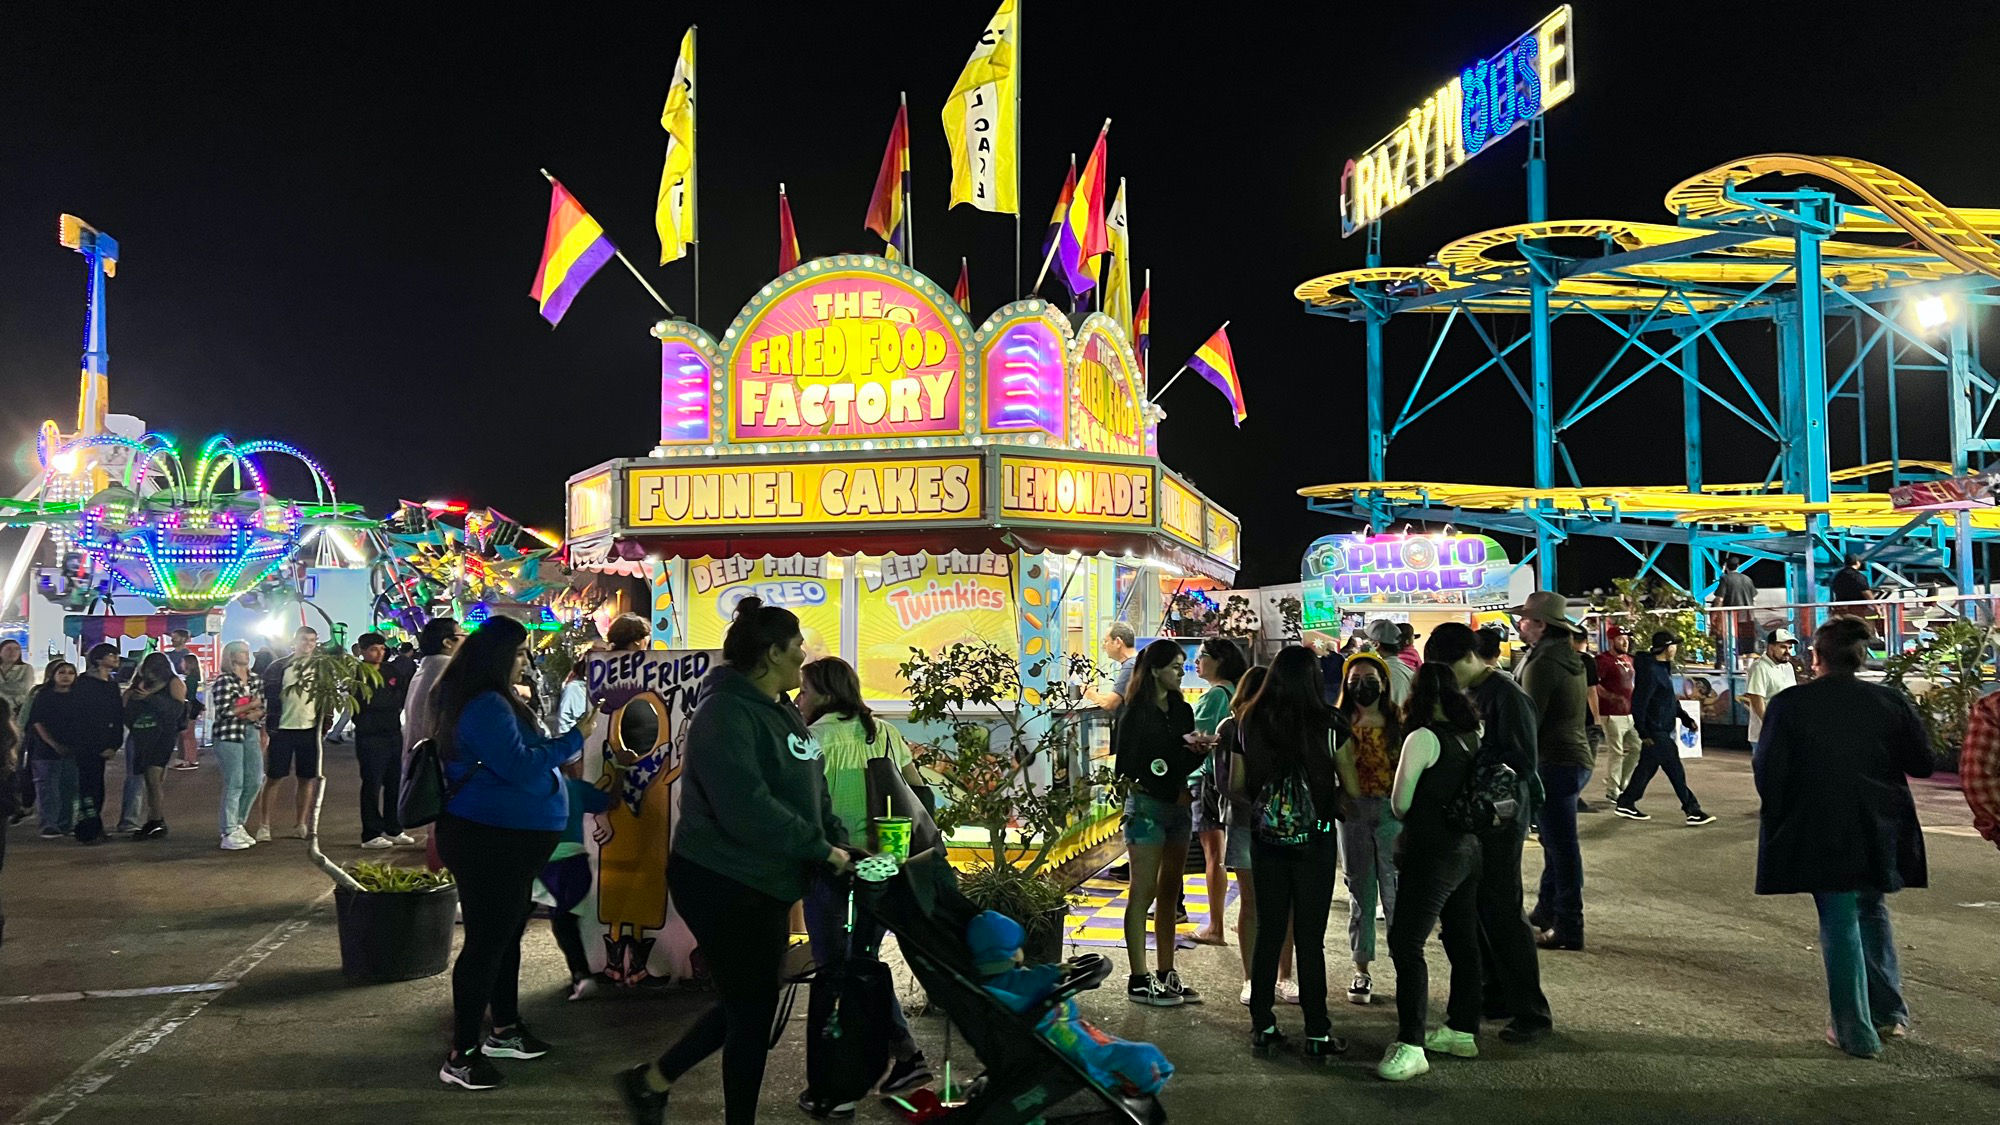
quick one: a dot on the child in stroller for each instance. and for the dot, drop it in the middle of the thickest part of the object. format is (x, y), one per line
(1041, 1061)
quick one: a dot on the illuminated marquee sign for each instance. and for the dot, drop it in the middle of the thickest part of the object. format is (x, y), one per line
(848, 354)
(1484, 102)
(1021, 365)
(1076, 491)
(685, 496)
(1224, 536)
(1181, 512)
(1443, 570)
(1105, 413)
(590, 507)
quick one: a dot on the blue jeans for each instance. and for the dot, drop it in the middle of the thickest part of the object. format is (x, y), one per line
(55, 793)
(242, 777)
(826, 923)
(1367, 858)
(1864, 984)
(1560, 903)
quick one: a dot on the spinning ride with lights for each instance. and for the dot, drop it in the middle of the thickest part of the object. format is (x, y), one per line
(426, 567)
(182, 537)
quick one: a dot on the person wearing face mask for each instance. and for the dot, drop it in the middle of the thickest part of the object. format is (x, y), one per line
(1367, 762)
(755, 825)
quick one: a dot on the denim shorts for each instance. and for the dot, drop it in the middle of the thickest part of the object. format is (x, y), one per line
(1236, 849)
(1153, 823)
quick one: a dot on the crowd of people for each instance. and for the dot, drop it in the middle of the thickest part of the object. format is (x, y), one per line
(1419, 781)
(1413, 780)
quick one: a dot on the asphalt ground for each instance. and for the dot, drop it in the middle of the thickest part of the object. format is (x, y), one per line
(1696, 1000)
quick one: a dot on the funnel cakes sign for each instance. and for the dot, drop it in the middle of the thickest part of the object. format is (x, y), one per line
(847, 353)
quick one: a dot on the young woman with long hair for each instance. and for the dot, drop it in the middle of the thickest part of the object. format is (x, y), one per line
(850, 736)
(237, 701)
(1155, 749)
(155, 702)
(1289, 732)
(1239, 816)
(10, 765)
(1367, 761)
(1220, 663)
(1438, 868)
(754, 826)
(50, 742)
(508, 809)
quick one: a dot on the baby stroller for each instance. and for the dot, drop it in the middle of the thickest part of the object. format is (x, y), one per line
(1027, 1079)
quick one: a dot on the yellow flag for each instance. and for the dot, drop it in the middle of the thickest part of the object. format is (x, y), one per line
(674, 215)
(1117, 288)
(980, 124)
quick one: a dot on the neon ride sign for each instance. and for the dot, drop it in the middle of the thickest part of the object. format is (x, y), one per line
(1484, 102)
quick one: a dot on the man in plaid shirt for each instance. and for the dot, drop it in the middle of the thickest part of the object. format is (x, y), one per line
(1979, 766)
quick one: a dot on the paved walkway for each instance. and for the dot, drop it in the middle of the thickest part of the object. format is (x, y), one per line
(1697, 1000)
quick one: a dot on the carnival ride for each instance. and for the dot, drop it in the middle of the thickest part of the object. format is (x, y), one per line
(1861, 273)
(423, 566)
(182, 538)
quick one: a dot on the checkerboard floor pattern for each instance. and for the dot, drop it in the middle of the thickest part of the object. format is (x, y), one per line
(1099, 920)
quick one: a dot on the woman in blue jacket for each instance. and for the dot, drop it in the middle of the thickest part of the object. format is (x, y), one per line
(506, 808)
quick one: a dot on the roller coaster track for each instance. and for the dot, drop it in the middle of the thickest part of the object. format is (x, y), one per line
(1947, 242)
(1957, 237)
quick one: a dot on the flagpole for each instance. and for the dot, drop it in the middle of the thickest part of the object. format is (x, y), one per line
(1053, 242)
(1146, 360)
(694, 170)
(620, 255)
(1184, 367)
(909, 194)
(1020, 75)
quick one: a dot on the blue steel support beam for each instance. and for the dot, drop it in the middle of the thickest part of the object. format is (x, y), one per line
(1815, 468)
(1540, 281)
(1691, 419)
(1378, 437)
(1959, 388)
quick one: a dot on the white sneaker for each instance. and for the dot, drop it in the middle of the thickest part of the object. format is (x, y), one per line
(263, 834)
(583, 989)
(1288, 991)
(1458, 1044)
(378, 843)
(235, 841)
(1402, 1062)
(403, 838)
(1243, 997)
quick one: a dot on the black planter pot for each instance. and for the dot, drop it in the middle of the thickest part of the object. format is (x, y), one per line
(395, 935)
(1044, 944)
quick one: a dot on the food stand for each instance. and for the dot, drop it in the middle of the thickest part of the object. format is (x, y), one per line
(856, 450)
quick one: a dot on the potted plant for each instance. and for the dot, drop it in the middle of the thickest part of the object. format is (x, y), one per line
(1649, 606)
(395, 922)
(1010, 762)
(1943, 674)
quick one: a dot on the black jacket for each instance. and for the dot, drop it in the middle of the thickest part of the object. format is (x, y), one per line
(1831, 768)
(382, 714)
(1655, 709)
(1149, 747)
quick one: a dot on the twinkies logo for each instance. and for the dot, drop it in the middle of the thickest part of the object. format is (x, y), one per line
(805, 749)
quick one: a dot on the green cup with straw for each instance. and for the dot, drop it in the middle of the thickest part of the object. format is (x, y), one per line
(892, 834)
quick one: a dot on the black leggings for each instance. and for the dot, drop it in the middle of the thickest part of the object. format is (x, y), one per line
(495, 869)
(568, 931)
(1295, 888)
(742, 934)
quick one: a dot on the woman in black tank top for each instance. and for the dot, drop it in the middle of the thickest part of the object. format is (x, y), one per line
(1438, 869)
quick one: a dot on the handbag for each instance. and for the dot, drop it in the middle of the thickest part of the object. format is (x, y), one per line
(889, 789)
(424, 793)
(1489, 799)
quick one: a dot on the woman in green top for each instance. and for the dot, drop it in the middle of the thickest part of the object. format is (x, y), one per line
(850, 736)
(1220, 664)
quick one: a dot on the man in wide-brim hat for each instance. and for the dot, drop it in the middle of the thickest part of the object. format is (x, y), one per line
(1553, 677)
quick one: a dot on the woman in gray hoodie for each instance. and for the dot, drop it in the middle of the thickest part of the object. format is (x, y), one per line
(754, 825)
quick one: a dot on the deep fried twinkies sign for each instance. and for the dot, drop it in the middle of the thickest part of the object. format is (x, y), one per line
(1486, 100)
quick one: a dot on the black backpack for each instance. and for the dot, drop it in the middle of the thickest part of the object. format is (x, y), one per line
(1489, 799)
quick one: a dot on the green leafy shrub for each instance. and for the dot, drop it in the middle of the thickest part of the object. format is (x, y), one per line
(1950, 664)
(391, 879)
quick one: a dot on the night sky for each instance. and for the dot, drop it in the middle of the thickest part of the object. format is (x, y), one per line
(330, 217)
